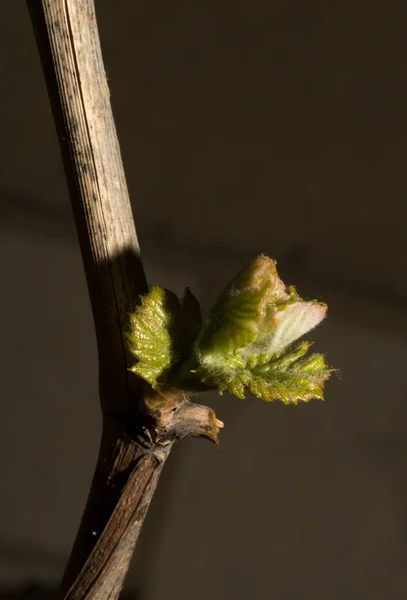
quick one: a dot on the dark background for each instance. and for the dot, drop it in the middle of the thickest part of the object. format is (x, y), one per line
(246, 126)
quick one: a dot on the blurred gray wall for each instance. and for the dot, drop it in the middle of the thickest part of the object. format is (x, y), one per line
(245, 126)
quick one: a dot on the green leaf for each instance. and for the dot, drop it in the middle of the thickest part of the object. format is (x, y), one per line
(285, 376)
(162, 333)
(290, 377)
(151, 334)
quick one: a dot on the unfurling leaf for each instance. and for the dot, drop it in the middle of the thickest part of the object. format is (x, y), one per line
(246, 339)
(236, 318)
(245, 343)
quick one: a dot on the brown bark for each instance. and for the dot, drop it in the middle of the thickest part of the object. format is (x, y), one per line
(124, 483)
